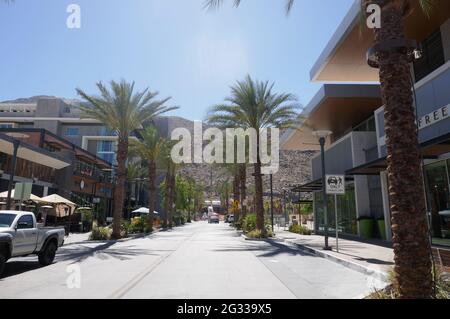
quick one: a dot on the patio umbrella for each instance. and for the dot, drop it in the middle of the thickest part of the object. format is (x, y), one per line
(142, 210)
(56, 199)
(34, 198)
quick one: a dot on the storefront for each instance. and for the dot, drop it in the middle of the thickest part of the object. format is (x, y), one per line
(437, 184)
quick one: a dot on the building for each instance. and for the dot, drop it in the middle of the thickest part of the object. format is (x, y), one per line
(355, 115)
(55, 165)
(60, 117)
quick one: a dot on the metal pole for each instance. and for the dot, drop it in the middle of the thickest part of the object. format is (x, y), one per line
(324, 191)
(16, 144)
(286, 215)
(336, 222)
(271, 200)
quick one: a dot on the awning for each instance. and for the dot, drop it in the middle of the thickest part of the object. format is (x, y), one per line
(32, 153)
(314, 186)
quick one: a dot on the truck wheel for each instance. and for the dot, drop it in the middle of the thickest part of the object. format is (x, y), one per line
(2, 263)
(48, 255)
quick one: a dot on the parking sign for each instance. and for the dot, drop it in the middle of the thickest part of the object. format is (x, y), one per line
(335, 184)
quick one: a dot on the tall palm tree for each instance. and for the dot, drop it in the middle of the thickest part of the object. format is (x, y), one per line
(122, 110)
(253, 104)
(135, 172)
(169, 182)
(149, 148)
(406, 193)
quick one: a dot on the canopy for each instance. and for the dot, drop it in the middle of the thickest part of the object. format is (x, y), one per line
(56, 199)
(34, 198)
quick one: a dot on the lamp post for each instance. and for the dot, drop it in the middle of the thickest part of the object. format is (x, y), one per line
(322, 135)
(271, 200)
(16, 145)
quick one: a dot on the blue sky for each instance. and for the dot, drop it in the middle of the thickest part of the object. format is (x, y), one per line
(173, 46)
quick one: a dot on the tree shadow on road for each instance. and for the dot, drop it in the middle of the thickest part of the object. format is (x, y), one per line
(103, 251)
(267, 248)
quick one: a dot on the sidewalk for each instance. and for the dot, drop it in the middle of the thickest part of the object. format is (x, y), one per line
(373, 260)
(76, 238)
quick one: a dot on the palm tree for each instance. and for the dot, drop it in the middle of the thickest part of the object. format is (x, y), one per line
(413, 266)
(169, 182)
(253, 104)
(123, 111)
(149, 148)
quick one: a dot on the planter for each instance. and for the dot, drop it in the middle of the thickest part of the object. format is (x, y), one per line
(366, 228)
(382, 228)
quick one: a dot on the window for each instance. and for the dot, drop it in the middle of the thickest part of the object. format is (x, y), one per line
(25, 222)
(439, 201)
(72, 131)
(366, 126)
(6, 220)
(105, 146)
(109, 157)
(432, 56)
(6, 125)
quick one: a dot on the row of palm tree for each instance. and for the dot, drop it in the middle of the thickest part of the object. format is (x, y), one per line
(413, 266)
(254, 105)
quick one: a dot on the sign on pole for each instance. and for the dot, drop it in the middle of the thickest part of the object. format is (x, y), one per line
(22, 191)
(335, 184)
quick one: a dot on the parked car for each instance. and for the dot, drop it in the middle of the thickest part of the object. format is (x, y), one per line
(213, 219)
(20, 236)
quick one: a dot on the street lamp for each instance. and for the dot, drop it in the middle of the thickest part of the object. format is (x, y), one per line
(271, 200)
(322, 136)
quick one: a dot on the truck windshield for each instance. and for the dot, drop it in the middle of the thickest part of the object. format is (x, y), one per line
(6, 220)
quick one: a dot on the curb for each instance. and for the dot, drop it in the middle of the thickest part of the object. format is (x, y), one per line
(374, 273)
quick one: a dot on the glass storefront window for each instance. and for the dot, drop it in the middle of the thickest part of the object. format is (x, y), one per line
(439, 201)
(346, 208)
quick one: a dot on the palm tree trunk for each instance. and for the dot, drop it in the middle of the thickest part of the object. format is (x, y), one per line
(171, 195)
(406, 193)
(122, 154)
(236, 194)
(243, 187)
(151, 191)
(259, 205)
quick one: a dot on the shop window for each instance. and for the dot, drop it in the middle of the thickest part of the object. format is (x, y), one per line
(432, 56)
(439, 201)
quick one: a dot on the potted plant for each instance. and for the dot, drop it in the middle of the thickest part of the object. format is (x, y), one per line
(381, 227)
(366, 225)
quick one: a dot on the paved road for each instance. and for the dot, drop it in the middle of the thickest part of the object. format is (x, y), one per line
(195, 261)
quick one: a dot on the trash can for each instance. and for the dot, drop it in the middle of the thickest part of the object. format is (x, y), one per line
(366, 227)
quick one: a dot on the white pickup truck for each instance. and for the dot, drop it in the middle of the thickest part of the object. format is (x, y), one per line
(20, 235)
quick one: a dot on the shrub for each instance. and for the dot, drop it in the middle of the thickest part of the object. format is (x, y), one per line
(125, 228)
(391, 291)
(299, 229)
(100, 233)
(256, 233)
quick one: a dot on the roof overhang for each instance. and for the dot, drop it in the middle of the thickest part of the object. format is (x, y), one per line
(32, 153)
(430, 150)
(314, 186)
(337, 107)
(344, 59)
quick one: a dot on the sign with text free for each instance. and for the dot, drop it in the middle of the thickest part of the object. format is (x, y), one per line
(335, 184)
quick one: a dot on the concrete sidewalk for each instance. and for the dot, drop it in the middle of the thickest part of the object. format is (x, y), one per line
(373, 260)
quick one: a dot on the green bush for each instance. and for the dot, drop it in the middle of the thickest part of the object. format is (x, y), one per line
(299, 229)
(100, 233)
(125, 228)
(258, 234)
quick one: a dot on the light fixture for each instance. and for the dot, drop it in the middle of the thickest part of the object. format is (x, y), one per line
(322, 133)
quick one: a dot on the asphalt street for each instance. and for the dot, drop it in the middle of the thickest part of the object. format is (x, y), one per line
(199, 260)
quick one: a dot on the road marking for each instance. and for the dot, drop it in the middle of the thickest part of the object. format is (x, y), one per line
(119, 293)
